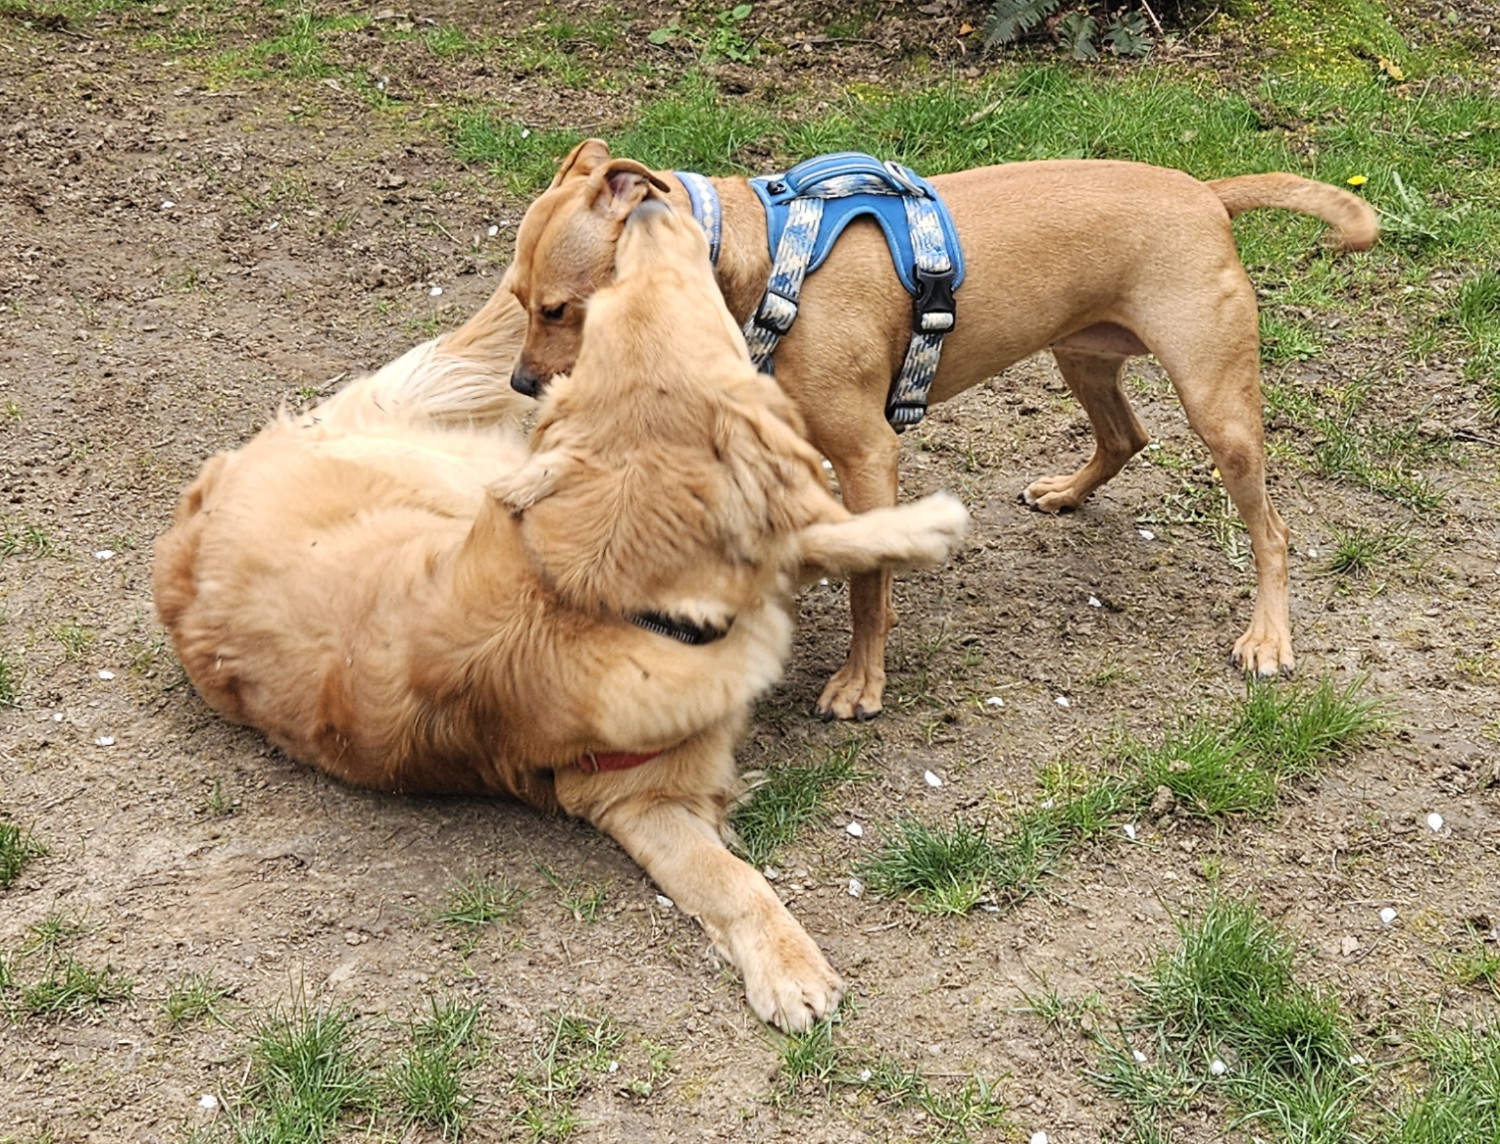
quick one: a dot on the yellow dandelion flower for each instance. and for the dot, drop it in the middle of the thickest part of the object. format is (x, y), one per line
(1356, 180)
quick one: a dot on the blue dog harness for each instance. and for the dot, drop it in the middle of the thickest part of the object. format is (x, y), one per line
(806, 210)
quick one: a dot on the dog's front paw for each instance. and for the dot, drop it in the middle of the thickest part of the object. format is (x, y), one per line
(854, 692)
(1053, 494)
(790, 984)
(941, 521)
(1263, 652)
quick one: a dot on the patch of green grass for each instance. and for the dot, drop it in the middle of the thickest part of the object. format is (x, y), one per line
(219, 803)
(480, 900)
(71, 987)
(299, 49)
(1477, 964)
(1224, 1019)
(192, 997)
(18, 849)
(787, 798)
(49, 935)
(582, 901)
(1213, 766)
(815, 1061)
(1357, 552)
(1284, 340)
(25, 540)
(1461, 1101)
(309, 1076)
(571, 1049)
(76, 640)
(428, 1077)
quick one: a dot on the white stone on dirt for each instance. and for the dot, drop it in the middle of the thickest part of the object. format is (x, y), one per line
(435, 291)
(771, 873)
(1356, 1059)
(665, 902)
(994, 701)
(1434, 821)
(167, 204)
(856, 887)
(1038, 1138)
(1387, 916)
(855, 830)
(1140, 1057)
(931, 779)
(494, 230)
(208, 1102)
(1063, 701)
(1130, 831)
(1217, 1067)
(1147, 534)
(106, 675)
(525, 133)
(105, 554)
(105, 741)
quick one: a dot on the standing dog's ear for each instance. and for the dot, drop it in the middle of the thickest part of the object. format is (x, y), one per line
(619, 186)
(537, 479)
(584, 159)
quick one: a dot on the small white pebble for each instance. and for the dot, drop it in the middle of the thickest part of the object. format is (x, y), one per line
(106, 674)
(994, 701)
(1038, 1138)
(1356, 1059)
(865, 1074)
(167, 204)
(665, 902)
(1147, 534)
(614, 1066)
(525, 133)
(105, 554)
(824, 581)
(1062, 701)
(1140, 1057)
(57, 716)
(1047, 803)
(771, 873)
(1434, 821)
(1217, 1067)
(1312, 551)
(931, 779)
(1387, 916)
(1094, 602)
(208, 1102)
(855, 830)
(105, 741)
(856, 887)
(1130, 831)
(435, 291)
(494, 230)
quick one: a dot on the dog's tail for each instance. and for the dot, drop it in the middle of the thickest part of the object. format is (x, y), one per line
(461, 378)
(1354, 224)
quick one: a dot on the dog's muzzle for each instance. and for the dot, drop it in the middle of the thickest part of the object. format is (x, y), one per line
(526, 382)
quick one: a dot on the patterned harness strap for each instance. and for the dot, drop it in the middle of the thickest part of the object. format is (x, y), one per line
(807, 209)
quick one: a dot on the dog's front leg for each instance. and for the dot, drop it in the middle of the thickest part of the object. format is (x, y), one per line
(788, 981)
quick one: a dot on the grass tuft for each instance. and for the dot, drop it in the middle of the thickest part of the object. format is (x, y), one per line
(428, 1076)
(71, 987)
(18, 849)
(787, 798)
(1462, 1100)
(193, 997)
(481, 900)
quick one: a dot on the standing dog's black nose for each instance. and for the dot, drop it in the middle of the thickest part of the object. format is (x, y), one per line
(525, 382)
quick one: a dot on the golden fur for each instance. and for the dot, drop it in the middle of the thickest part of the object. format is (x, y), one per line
(1095, 260)
(396, 591)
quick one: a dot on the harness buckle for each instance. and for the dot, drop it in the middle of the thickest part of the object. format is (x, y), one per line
(933, 309)
(776, 313)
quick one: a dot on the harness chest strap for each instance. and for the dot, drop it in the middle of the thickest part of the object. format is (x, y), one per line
(806, 210)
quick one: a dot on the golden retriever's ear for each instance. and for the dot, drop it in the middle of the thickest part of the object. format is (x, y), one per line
(582, 160)
(621, 184)
(773, 464)
(536, 479)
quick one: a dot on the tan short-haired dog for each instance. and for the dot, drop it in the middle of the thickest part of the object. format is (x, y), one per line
(1094, 260)
(415, 604)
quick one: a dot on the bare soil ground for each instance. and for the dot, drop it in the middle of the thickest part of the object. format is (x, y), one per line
(178, 257)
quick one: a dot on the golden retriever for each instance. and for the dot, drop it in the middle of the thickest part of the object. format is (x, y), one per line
(396, 591)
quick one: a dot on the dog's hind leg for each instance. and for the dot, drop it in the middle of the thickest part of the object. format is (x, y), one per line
(1094, 379)
(1216, 372)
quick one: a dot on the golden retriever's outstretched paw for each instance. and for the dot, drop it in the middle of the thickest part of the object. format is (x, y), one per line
(1053, 494)
(795, 990)
(1264, 654)
(854, 692)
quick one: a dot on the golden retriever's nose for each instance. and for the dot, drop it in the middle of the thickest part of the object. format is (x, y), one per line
(527, 381)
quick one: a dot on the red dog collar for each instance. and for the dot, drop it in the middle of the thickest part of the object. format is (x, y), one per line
(594, 762)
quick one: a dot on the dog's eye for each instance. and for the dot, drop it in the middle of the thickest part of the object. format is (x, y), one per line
(554, 313)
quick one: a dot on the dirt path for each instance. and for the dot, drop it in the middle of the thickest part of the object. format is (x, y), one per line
(183, 250)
